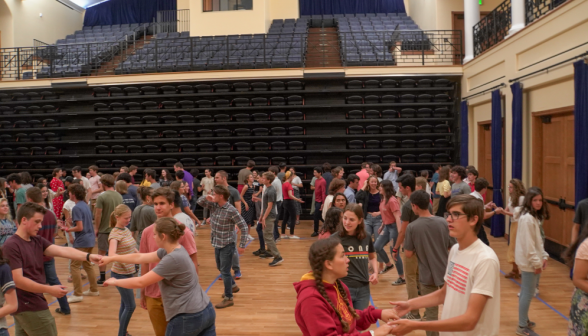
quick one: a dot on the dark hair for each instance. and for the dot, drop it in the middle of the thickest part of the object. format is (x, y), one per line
(46, 199)
(167, 176)
(107, 180)
(282, 165)
(222, 190)
(78, 191)
(335, 185)
(180, 174)
(377, 170)
(179, 165)
(480, 183)
(472, 171)
(132, 167)
(28, 210)
(444, 173)
(332, 221)
(425, 173)
(170, 227)
(470, 206)
(55, 171)
(250, 163)
(326, 167)
(389, 191)
(124, 177)
(527, 205)
(222, 174)
(274, 170)
(76, 168)
(519, 190)
(175, 185)
(34, 194)
(570, 253)
(14, 177)
(360, 231)
(194, 172)
(337, 195)
(26, 178)
(407, 180)
(177, 199)
(421, 199)
(166, 193)
(144, 192)
(460, 170)
(351, 178)
(149, 172)
(319, 252)
(318, 169)
(436, 166)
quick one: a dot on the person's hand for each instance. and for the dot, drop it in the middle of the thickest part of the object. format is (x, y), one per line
(71, 239)
(57, 291)
(208, 220)
(395, 256)
(109, 282)
(321, 209)
(380, 229)
(241, 250)
(389, 314)
(262, 221)
(544, 264)
(374, 278)
(300, 200)
(383, 330)
(256, 199)
(401, 307)
(401, 327)
(246, 207)
(104, 261)
(97, 233)
(210, 198)
(143, 301)
(95, 258)
(538, 270)
(499, 210)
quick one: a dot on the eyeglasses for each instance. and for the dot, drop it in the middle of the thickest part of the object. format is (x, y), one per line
(454, 215)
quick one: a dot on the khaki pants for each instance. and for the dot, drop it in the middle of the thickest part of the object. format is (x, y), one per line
(92, 206)
(512, 239)
(431, 313)
(35, 323)
(268, 236)
(156, 315)
(411, 273)
(76, 274)
(435, 205)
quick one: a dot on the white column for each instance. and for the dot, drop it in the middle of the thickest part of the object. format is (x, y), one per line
(471, 13)
(517, 16)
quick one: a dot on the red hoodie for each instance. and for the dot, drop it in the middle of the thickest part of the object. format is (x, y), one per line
(315, 317)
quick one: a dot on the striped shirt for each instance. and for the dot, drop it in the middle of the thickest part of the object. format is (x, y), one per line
(222, 223)
(126, 245)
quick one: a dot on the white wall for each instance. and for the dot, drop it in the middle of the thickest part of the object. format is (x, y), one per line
(57, 22)
(438, 14)
(6, 33)
(423, 13)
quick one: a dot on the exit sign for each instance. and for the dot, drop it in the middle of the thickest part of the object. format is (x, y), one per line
(480, 2)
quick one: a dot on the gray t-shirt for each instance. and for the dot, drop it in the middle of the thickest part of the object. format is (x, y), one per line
(581, 216)
(180, 290)
(429, 238)
(460, 188)
(269, 195)
(235, 196)
(155, 185)
(407, 215)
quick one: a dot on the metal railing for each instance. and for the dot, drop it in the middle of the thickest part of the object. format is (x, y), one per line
(382, 48)
(537, 8)
(493, 28)
(170, 21)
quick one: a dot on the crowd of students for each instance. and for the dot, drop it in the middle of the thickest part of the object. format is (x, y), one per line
(146, 233)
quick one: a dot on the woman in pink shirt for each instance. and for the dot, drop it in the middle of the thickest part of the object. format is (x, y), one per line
(58, 187)
(390, 212)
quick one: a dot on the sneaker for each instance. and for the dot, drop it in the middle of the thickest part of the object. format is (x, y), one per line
(74, 299)
(59, 311)
(294, 237)
(284, 237)
(225, 304)
(249, 237)
(69, 279)
(100, 282)
(258, 252)
(314, 234)
(526, 332)
(531, 325)
(276, 261)
(277, 240)
(386, 269)
(236, 289)
(237, 275)
(265, 255)
(297, 222)
(399, 282)
(90, 293)
(410, 316)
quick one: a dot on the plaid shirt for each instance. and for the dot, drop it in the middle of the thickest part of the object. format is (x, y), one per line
(222, 223)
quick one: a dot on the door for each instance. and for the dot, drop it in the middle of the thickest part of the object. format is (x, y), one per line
(485, 156)
(459, 24)
(556, 177)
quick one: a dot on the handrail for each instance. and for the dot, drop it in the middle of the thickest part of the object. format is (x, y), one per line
(493, 28)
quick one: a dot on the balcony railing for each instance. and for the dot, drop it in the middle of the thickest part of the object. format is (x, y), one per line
(493, 28)
(537, 8)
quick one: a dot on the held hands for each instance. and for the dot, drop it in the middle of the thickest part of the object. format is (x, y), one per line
(103, 261)
(57, 291)
(401, 327)
(389, 314)
(401, 307)
(96, 258)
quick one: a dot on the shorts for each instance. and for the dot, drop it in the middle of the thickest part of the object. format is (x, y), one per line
(103, 241)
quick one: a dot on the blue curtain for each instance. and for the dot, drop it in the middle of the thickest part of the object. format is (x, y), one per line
(320, 7)
(517, 130)
(463, 146)
(580, 129)
(126, 11)
(497, 227)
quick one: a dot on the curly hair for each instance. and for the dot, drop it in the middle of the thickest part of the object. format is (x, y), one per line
(518, 191)
(332, 221)
(319, 252)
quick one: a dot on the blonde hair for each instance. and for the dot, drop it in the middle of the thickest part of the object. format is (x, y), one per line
(8, 216)
(121, 187)
(118, 211)
(421, 181)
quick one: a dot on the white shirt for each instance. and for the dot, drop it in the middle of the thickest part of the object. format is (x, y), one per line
(530, 253)
(327, 205)
(510, 208)
(296, 180)
(277, 184)
(477, 195)
(68, 205)
(186, 220)
(474, 270)
(85, 182)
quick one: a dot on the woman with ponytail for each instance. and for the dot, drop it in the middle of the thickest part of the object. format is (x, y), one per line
(187, 308)
(121, 242)
(323, 306)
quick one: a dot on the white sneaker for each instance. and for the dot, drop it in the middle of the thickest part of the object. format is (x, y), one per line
(284, 237)
(294, 237)
(74, 299)
(90, 293)
(249, 237)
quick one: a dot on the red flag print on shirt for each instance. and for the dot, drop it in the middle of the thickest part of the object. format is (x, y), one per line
(457, 277)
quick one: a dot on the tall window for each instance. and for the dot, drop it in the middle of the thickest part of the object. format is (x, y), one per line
(226, 5)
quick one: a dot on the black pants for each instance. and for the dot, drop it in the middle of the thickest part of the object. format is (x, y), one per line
(318, 215)
(442, 206)
(290, 211)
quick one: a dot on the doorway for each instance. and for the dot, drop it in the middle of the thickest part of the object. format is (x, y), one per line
(458, 23)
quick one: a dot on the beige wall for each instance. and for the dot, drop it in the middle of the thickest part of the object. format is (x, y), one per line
(558, 31)
(57, 22)
(437, 14)
(423, 12)
(255, 21)
(6, 33)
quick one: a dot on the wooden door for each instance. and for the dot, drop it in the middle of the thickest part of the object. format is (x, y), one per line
(485, 155)
(556, 177)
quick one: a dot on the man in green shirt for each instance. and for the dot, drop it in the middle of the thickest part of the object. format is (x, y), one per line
(14, 181)
(105, 204)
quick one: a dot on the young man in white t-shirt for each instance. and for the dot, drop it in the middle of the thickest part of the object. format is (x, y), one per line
(471, 294)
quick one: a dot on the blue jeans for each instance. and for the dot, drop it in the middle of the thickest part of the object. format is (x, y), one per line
(372, 225)
(197, 324)
(224, 261)
(236, 264)
(360, 297)
(52, 280)
(4, 332)
(259, 229)
(127, 304)
(389, 234)
(528, 285)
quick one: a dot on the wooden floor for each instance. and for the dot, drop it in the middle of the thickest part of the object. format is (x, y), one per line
(265, 304)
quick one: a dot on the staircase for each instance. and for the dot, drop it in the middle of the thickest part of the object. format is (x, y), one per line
(107, 68)
(323, 48)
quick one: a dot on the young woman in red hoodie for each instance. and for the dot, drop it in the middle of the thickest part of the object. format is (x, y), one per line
(323, 306)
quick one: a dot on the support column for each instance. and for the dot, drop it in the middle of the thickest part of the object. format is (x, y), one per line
(471, 14)
(517, 16)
